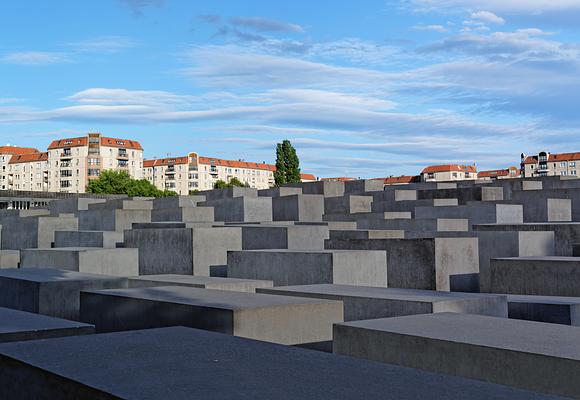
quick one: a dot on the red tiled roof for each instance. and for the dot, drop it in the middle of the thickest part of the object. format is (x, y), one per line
(17, 150)
(449, 168)
(105, 141)
(401, 179)
(236, 164)
(339, 179)
(165, 161)
(307, 177)
(32, 157)
(564, 157)
(531, 160)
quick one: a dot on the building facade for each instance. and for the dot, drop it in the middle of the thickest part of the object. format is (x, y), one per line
(6, 154)
(508, 173)
(449, 172)
(28, 172)
(546, 164)
(73, 162)
(193, 172)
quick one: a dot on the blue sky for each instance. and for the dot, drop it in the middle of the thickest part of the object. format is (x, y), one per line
(369, 88)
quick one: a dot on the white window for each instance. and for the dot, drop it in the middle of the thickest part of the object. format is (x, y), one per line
(563, 164)
(572, 163)
(563, 173)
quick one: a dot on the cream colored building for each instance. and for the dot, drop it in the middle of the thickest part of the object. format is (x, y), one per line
(6, 154)
(193, 172)
(28, 172)
(449, 172)
(508, 173)
(546, 164)
(73, 162)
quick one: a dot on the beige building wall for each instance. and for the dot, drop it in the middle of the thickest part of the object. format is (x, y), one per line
(28, 173)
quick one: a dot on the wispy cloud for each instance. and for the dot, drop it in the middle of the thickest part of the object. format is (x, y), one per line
(103, 44)
(487, 17)
(432, 28)
(261, 24)
(138, 6)
(35, 58)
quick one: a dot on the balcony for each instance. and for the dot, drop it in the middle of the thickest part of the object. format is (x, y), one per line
(122, 154)
(65, 164)
(213, 171)
(67, 153)
(170, 170)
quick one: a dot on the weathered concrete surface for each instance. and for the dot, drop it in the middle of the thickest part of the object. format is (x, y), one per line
(299, 267)
(510, 244)
(229, 193)
(545, 276)
(550, 309)
(72, 205)
(294, 237)
(33, 232)
(49, 291)
(206, 282)
(115, 262)
(363, 186)
(365, 234)
(566, 234)
(349, 204)
(325, 188)
(9, 258)
(426, 263)
(278, 319)
(111, 219)
(529, 355)
(417, 225)
(242, 209)
(279, 191)
(103, 239)
(477, 213)
(177, 201)
(363, 302)
(17, 326)
(122, 204)
(82, 367)
(184, 214)
(298, 207)
(182, 250)
(463, 195)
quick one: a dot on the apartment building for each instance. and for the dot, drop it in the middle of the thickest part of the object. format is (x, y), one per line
(6, 154)
(401, 180)
(73, 162)
(547, 164)
(193, 172)
(28, 172)
(507, 173)
(307, 178)
(449, 172)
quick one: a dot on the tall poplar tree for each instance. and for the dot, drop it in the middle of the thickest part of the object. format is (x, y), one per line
(287, 164)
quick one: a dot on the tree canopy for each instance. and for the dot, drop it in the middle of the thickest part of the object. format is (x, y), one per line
(221, 184)
(120, 182)
(287, 164)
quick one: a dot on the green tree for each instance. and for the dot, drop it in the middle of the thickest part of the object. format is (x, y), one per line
(119, 182)
(287, 164)
(221, 184)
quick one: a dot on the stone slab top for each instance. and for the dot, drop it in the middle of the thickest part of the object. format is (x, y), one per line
(291, 251)
(553, 340)
(72, 249)
(560, 300)
(370, 292)
(47, 275)
(541, 258)
(15, 321)
(226, 367)
(194, 279)
(221, 299)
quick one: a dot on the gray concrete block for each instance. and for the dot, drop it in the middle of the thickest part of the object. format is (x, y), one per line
(114, 262)
(528, 355)
(111, 219)
(424, 263)
(363, 302)
(242, 209)
(18, 326)
(366, 234)
(122, 204)
(72, 205)
(296, 267)
(182, 250)
(33, 232)
(229, 193)
(299, 207)
(293, 237)
(280, 191)
(510, 244)
(417, 225)
(82, 367)
(325, 188)
(9, 258)
(350, 204)
(477, 213)
(278, 319)
(49, 291)
(184, 214)
(205, 282)
(177, 201)
(544, 276)
(549, 309)
(363, 186)
(103, 239)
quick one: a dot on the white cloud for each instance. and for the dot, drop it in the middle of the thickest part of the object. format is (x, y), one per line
(433, 28)
(35, 58)
(487, 17)
(105, 96)
(266, 25)
(103, 44)
(509, 6)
